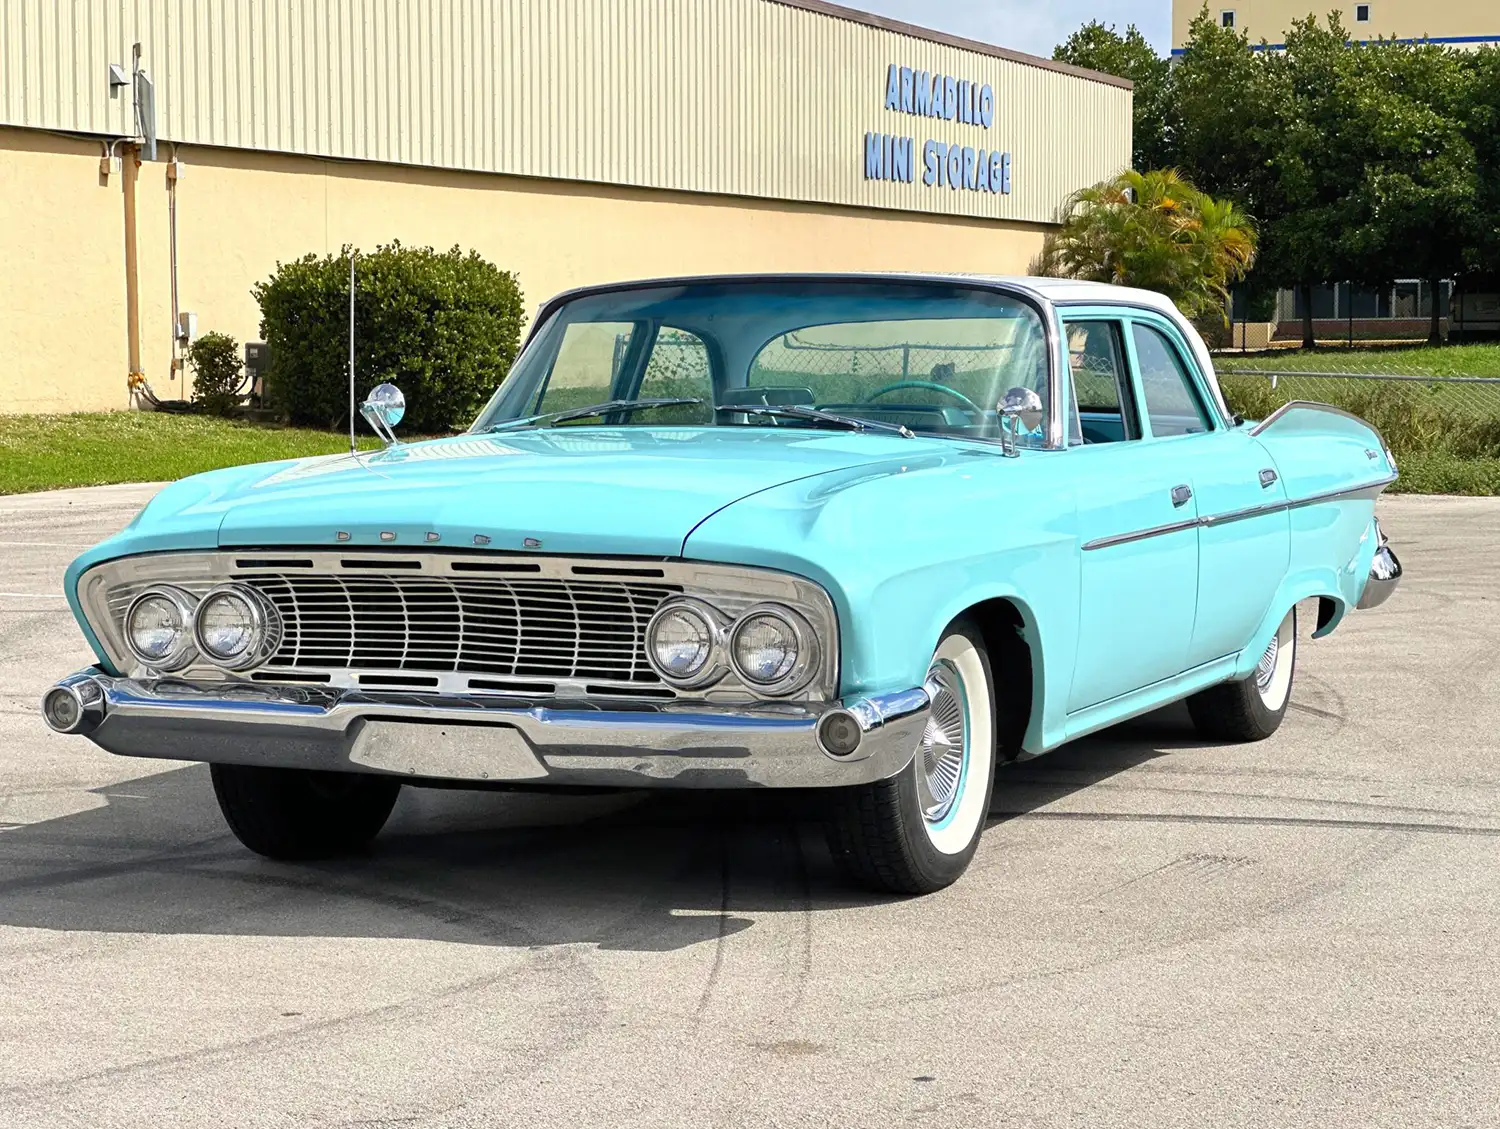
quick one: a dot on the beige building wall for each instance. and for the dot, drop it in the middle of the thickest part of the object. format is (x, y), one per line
(1457, 22)
(62, 298)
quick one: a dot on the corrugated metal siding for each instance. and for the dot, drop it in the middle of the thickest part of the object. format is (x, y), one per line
(740, 97)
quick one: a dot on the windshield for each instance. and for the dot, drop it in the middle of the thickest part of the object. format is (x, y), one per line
(929, 358)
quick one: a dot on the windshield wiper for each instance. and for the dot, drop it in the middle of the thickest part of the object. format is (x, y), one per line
(603, 409)
(818, 415)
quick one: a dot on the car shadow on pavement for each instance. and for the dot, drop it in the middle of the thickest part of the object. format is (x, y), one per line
(643, 872)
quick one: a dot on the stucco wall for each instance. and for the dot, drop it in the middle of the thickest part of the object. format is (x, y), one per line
(62, 314)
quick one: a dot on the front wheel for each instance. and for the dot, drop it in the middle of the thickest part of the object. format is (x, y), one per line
(293, 813)
(917, 832)
(1251, 709)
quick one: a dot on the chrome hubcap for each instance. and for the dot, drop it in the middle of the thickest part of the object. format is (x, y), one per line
(940, 759)
(1265, 670)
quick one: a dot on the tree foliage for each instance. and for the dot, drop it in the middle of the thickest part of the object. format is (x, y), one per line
(1156, 231)
(1099, 48)
(1365, 162)
(442, 326)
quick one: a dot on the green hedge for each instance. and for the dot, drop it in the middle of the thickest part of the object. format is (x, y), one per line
(443, 326)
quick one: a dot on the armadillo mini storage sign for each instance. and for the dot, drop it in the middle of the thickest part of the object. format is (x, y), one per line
(943, 165)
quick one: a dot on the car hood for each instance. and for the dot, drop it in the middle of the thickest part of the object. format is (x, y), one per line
(629, 491)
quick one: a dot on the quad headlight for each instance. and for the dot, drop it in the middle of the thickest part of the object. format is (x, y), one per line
(771, 648)
(233, 626)
(685, 643)
(159, 627)
(236, 627)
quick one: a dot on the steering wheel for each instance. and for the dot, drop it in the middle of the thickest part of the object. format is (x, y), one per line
(929, 386)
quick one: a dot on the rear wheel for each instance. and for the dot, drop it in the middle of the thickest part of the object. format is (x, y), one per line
(1251, 709)
(918, 831)
(291, 813)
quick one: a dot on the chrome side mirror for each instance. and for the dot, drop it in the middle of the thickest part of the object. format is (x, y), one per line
(1020, 408)
(383, 410)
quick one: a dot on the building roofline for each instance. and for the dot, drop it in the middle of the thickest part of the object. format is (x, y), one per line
(869, 19)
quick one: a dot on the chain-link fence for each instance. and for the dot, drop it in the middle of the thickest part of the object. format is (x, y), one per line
(1419, 399)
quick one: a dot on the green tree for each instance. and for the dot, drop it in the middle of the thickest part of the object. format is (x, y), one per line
(1414, 207)
(1100, 48)
(1480, 118)
(1314, 163)
(1154, 230)
(1224, 114)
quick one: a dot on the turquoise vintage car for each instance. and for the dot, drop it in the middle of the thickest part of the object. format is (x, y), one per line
(867, 534)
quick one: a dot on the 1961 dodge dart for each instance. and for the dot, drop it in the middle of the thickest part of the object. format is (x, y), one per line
(869, 534)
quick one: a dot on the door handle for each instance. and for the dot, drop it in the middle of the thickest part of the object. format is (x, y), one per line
(1267, 478)
(1181, 495)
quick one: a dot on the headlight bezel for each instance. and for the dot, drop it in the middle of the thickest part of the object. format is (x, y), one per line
(185, 649)
(803, 667)
(265, 627)
(715, 666)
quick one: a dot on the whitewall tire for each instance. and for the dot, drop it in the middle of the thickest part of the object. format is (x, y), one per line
(1251, 709)
(918, 831)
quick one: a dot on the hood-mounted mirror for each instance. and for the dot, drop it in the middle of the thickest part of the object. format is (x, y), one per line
(383, 409)
(1020, 409)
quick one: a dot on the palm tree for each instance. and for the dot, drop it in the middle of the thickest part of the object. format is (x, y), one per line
(1156, 231)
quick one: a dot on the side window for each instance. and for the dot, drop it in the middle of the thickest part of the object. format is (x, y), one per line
(1172, 404)
(1101, 394)
(679, 366)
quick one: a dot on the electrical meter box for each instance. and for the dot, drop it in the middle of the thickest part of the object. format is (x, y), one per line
(257, 361)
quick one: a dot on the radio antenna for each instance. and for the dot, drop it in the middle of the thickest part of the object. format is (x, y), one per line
(353, 446)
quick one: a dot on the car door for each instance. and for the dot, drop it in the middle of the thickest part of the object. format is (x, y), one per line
(1137, 522)
(1244, 536)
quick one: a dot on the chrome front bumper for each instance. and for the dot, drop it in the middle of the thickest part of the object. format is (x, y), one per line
(487, 739)
(1385, 573)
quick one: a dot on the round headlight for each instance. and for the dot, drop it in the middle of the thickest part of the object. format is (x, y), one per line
(159, 627)
(683, 643)
(773, 649)
(235, 627)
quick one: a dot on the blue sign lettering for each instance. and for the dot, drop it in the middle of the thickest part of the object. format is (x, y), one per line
(922, 103)
(925, 94)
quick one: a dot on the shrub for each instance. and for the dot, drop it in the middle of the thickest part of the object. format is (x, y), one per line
(218, 373)
(443, 326)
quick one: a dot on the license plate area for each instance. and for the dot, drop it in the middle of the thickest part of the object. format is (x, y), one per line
(445, 750)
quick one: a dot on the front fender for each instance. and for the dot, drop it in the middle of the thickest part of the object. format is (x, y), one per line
(904, 554)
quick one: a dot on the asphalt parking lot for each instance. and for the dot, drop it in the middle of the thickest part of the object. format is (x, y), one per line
(1156, 933)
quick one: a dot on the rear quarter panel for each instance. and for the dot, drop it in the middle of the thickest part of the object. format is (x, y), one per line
(1334, 465)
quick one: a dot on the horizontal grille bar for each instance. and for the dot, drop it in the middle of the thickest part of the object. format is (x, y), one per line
(511, 626)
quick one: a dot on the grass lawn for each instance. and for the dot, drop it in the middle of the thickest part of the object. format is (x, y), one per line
(98, 448)
(1401, 360)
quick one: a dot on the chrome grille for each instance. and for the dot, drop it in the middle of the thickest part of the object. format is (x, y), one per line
(551, 627)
